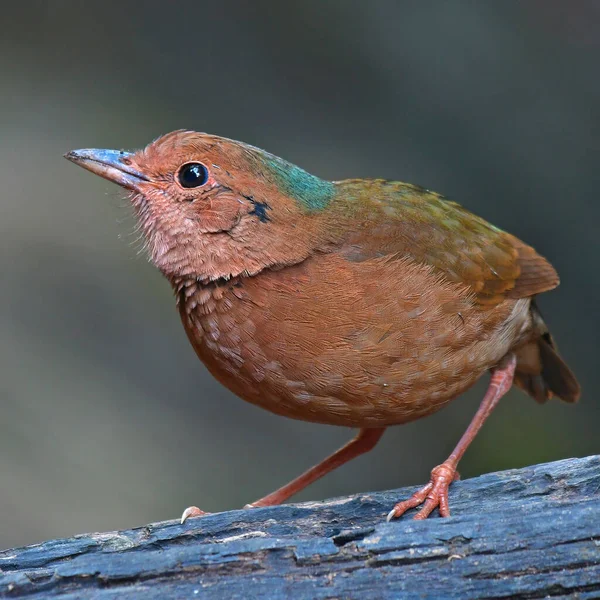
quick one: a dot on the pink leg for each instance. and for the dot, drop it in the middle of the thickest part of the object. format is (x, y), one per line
(363, 442)
(435, 493)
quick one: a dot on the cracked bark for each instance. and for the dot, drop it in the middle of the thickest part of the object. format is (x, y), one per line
(527, 533)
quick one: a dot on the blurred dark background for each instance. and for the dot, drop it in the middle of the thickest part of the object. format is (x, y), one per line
(108, 419)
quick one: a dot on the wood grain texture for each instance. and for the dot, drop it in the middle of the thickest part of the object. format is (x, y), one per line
(527, 533)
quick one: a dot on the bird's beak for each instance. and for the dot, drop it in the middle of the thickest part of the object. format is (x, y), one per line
(114, 165)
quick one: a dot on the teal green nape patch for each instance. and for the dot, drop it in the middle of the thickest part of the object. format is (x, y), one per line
(312, 192)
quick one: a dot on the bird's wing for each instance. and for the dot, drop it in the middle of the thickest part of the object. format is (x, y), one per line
(405, 220)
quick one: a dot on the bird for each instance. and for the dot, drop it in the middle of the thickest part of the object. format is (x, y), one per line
(361, 303)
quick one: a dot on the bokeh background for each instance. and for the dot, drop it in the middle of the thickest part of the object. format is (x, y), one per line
(108, 420)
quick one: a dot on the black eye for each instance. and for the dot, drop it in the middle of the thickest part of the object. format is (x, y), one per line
(193, 175)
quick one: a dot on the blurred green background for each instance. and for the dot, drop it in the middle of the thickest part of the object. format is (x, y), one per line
(108, 419)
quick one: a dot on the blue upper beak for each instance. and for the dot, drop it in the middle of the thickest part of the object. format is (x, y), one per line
(114, 165)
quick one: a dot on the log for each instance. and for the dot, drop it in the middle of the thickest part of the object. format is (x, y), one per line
(525, 533)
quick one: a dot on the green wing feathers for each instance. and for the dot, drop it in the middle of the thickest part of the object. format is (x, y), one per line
(406, 220)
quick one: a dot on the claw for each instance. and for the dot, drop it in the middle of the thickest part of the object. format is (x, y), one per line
(192, 511)
(434, 494)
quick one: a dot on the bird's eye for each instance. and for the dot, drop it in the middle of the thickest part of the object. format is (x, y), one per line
(193, 175)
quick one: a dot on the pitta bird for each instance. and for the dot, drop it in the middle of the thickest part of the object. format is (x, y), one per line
(359, 303)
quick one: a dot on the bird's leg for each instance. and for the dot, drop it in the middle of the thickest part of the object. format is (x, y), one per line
(362, 443)
(435, 493)
(365, 441)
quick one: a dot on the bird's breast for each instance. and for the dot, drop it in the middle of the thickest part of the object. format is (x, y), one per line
(349, 344)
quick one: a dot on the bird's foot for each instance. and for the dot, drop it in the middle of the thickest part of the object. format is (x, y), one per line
(434, 494)
(192, 511)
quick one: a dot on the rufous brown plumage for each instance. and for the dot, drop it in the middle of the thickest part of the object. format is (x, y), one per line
(362, 303)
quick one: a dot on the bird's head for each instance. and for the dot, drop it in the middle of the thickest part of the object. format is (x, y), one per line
(213, 208)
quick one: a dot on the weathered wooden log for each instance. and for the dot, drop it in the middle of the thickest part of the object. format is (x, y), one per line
(526, 533)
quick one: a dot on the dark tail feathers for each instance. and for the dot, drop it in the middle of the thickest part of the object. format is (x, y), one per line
(541, 372)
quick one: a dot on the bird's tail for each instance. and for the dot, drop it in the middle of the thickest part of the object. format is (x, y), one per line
(540, 371)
